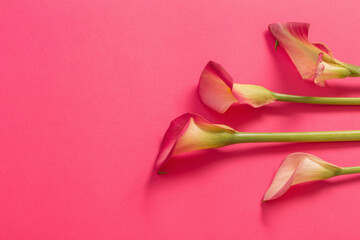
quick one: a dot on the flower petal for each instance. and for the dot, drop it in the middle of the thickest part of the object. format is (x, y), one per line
(200, 134)
(254, 95)
(313, 168)
(172, 135)
(324, 48)
(284, 177)
(215, 86)
(293, 37)
(288, 31)
(191, 132)
(298, 168)
(325, 71)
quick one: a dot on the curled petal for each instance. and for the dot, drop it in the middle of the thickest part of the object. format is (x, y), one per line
(325, 71)
(215, 86)
(289, 31)
(298, 168)
(217, 90)
(191, 132)
(293, 37)
(324, 48)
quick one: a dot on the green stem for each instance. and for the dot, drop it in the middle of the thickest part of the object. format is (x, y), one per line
(316, 100)
(331, 136)
(355, 70)
(349, 170)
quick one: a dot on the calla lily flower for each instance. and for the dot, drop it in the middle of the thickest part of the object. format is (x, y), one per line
(191, 132)
(218, 91)
(302, 167)
(314, 61)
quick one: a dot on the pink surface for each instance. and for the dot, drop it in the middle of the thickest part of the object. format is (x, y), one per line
(88, 88)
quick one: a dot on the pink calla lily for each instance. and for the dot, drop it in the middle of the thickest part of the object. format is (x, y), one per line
(314, 61)
(303, 167)
(218, 91)
(298, 168)
(191, 132)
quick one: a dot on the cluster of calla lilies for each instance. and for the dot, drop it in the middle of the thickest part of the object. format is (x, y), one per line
(217, 90)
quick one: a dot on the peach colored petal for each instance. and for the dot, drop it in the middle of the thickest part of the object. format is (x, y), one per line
(284, 31)
(173, 133)
(298, 168)
(283, 177)
(215, 86)
(293, 37)
(191, 132)
(199, 136)
(217, 90)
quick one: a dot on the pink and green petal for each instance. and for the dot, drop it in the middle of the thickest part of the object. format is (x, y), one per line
(215, 86)
(201, 134)
(325, 71)
(172, 135)
(254, 95)
(324, 49)
(293, 37)
(217, 90)
(298, 168)
(191, 132)
(284, 31)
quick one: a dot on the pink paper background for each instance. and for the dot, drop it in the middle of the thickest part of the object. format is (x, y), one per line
(89, 87)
